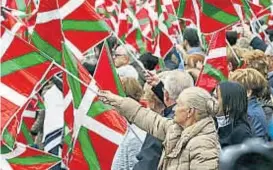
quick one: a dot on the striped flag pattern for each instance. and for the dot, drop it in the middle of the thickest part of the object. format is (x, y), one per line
(215, 68)
(96, 127)
(185, 10)
(47, 35)
(163, 43)
(28, 119)
(25, 64)
(27, 158)
(247, 6)
(219, 14)
(82, 22)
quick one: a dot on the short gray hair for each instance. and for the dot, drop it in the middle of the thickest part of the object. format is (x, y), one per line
(176, 82)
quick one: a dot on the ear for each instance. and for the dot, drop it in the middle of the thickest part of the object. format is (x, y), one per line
(191, 112)
(230, 67)
(127, 59)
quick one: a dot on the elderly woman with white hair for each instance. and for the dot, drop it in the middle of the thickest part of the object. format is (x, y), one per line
(190, 139)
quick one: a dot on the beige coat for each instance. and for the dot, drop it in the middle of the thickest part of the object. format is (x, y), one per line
(195, 148)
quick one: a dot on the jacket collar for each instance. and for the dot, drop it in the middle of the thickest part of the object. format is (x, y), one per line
(201, 127)
(168, 112)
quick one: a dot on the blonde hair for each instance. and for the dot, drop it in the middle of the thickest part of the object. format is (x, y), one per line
(150, 97)
(235, 62)
(256, 59)
(132, 88)
(193, 59)
(251, 79)
(201, 100)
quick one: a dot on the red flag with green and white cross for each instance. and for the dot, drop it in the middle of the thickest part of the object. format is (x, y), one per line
(163, 43)
(26, 158)
(215, 68)
(96, 127)
(247, 6)
(20, 62)
(81, 22)
(109, 11)
(185, 10)
(47, 35)
(28, 118)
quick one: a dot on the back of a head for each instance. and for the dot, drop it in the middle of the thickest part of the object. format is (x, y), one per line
(193, 59)
(234, 56)
(190, 34)
(234, 100)
(194, 73)
(132, 88)
(256, 59)
(150, 97)
(200, 99)
(149, 61)
(232, 37)
(244, 42)
(253, 154)
(251, 79)
(127, 71)
(176, 82)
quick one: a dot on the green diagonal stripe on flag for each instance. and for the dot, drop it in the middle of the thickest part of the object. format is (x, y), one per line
(169, 21)
(181, 9)
(21, 5)
(8, 138)
(68, 139)
(97, 108)
(26, 133)
(4, 149)
(22, 62)
(87, 149)
(217, 74)
(143, 21)
(85, 26)
(46, 47)
(265, 3)
(34, 160)
(75, 85)
(218, 14)
(140, 42)
(246, 8)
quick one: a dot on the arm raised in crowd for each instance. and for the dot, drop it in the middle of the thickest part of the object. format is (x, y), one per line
(157, 86)
(144, 118)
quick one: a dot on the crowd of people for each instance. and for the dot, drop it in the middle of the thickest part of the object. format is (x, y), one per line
(173, 124)
(177, 125)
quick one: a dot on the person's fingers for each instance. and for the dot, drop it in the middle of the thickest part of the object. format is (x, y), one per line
(104, 93)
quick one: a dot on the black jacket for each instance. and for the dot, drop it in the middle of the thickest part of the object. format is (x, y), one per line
(236, 135)
(151, 150)
(149, 155)
(158, 91)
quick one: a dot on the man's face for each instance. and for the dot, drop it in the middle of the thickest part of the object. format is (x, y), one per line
(120, 57)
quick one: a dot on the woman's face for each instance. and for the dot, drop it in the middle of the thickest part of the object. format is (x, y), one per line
(181, 113)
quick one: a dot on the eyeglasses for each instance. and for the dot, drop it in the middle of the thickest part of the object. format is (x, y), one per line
(117, 55)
